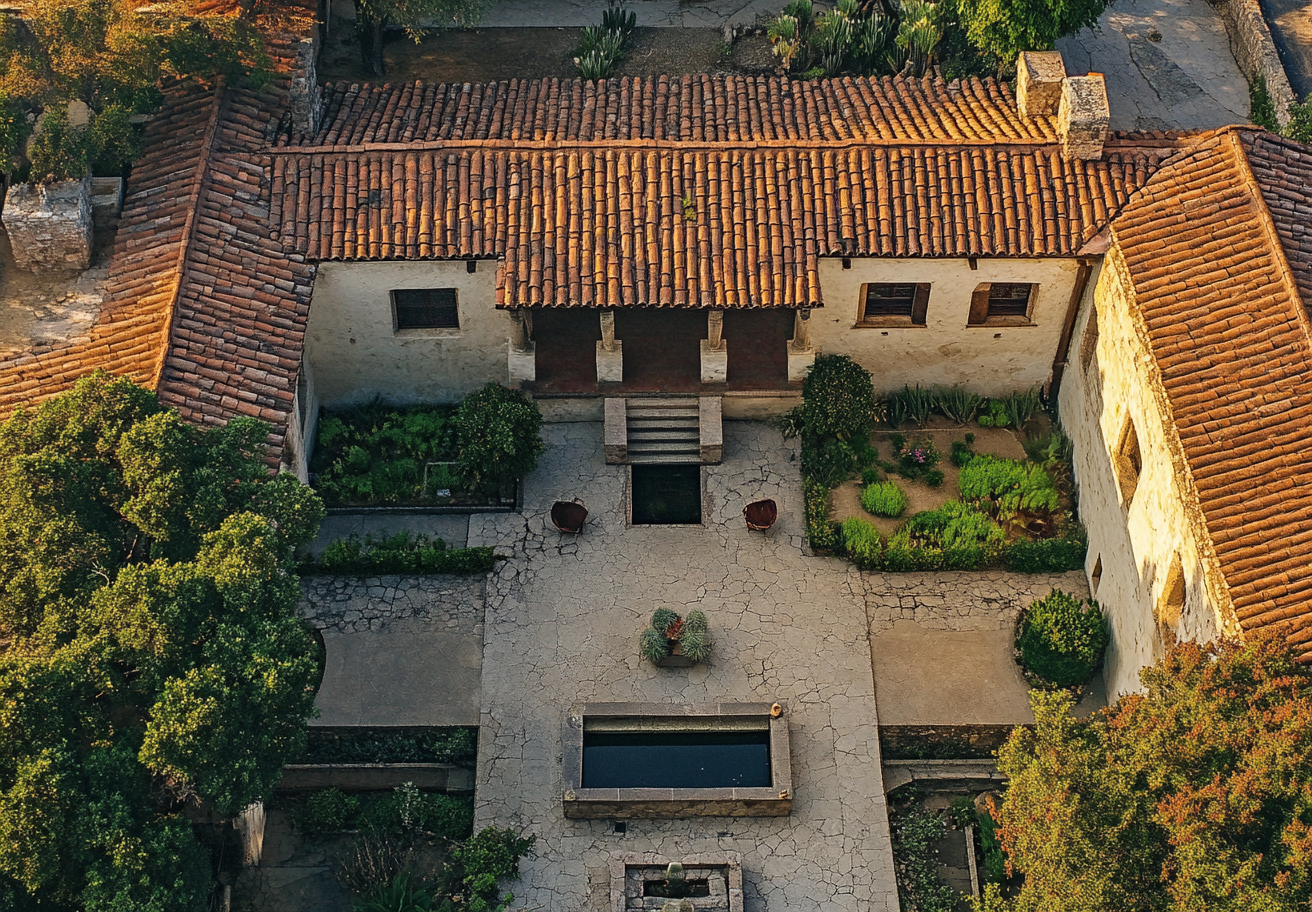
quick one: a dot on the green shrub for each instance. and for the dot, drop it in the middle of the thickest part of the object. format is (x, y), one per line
(1261, 107)
(910, 404)
(400, 553)
(1061, 639)
(113, 142)
(14, 131)
(653, 645)
(869, 476)
(695, 644)
(861, 541)
(498, 434)
(821, 531)
(884, 498)
(1020, 407)
(1008, 486)
(456, 745)
(916, 456)
(1048, 555)
(962, 811)
(838, 400)
(918, 862)
(962, 453)
(996, 416)
(374, 454)
(995, 863)
(696, 620)
(934, 478)
(60, 151)
(477, 868)
(327, 811)
(399, 895)
(828, 461)
(956, 403)
(956, 536)
(906, 553)
(407, 811)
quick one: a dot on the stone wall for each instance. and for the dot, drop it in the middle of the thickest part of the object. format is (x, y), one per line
(961, 600)
(355, 605)
(1254, 50)
(50, 225)
(1137, 546)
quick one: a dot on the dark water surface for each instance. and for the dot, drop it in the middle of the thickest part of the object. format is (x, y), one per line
(737, 759)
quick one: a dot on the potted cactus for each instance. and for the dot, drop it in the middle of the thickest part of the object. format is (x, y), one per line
(674, 641)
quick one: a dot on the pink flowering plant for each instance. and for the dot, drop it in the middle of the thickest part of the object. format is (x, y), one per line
(915, 455)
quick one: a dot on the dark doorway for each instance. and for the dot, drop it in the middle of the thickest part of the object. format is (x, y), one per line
(566, 349)
(667, 495)
(758, 348)
(662, 348)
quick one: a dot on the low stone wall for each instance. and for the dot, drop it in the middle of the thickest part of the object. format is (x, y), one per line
(1255, 51)
(356, 605)
(941, 742)
(962, 600)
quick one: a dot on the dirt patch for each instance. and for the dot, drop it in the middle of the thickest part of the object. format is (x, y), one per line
(1002, 442)
(493, 54)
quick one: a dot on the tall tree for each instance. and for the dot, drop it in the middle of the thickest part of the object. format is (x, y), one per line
(151, 654)
(374, 17)
(1004, 28)
(1195, 795)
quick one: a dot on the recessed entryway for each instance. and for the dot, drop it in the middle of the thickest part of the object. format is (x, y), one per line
(666, 495)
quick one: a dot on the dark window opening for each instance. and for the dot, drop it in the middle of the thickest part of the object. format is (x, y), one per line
(1090, 342)
(1128, 461)
(1095, 578)
(1001, 301)
(426, 308)
(667, 495)
(886, 302)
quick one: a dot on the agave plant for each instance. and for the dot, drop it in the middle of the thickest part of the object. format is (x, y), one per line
(956, 403)
(619, 21)
(595, 65)
(1020, 407)
(918, 33)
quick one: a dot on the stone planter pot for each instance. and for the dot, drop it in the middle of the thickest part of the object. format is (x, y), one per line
(50, 225)
(676, 658)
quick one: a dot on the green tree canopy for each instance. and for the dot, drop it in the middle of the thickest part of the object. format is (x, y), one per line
(374, 17)
(1004, 28)
(151, 654)
(1196, 795)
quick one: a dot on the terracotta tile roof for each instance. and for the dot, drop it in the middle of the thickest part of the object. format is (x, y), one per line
(131, 334)
(700, 191)
(201, 304)
(1229, 333)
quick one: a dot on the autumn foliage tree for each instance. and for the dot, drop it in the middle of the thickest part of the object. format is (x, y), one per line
(1195, 795)
(151, 653)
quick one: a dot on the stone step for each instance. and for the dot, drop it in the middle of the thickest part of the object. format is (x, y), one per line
(662, 414)
(664, 458)
(664, 446)
(689, 402)
(652, 435)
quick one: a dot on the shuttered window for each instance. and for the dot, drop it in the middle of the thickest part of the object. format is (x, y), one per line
(891, 303)
(425, 308)
(1001, 301)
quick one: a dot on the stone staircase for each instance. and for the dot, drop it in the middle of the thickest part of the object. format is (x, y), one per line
(664, 431)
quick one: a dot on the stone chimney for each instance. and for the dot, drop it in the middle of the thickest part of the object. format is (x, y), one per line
(306, 100)
(1039, 77)
(1083, 116)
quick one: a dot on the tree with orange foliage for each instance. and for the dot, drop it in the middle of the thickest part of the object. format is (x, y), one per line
(1194, 795)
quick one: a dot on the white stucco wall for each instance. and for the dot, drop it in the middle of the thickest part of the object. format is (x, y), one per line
(988, 359)
(1136, 543)
(355, 353)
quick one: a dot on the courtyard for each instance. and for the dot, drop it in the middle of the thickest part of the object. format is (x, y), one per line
(841, 650)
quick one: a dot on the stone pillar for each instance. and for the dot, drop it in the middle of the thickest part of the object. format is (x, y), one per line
(616, 440)
(522, 357)
(1039, 77)
(250, 824)
(710, 429)
(715, 351)
(50, 225)
(800, 353)
(306, 100)
(1083, 117)
(610, 351)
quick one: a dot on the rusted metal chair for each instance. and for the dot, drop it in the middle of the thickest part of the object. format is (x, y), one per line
(761, 514)
(569, 516)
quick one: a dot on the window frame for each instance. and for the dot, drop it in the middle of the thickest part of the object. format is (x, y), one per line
(916, 312)
(395, 297)
(982, 303)
(1127, 461)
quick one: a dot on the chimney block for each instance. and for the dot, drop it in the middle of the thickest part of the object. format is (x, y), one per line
(1039, 77)
(1083, 117)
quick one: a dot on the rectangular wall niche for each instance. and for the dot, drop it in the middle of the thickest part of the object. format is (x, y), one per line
(662, 760)
(715, 882)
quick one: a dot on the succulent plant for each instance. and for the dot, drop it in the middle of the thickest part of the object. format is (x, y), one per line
(696, 620)
(652, 645)
(695, 645)
(663, 619)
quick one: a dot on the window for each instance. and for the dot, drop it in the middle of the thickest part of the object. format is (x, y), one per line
(1128, 462)
(1089, 344)
(894, 304)
(425, 308)
(1170, 606)
(1095, 578)
(1001, 302)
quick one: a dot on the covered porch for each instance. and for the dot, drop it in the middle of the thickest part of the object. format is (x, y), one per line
(581, 351)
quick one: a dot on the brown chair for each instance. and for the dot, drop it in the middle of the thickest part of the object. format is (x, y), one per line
(761, 514)
(569, 516)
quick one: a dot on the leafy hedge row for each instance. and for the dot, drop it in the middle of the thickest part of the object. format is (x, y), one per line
(400, 553)
(405, 745)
